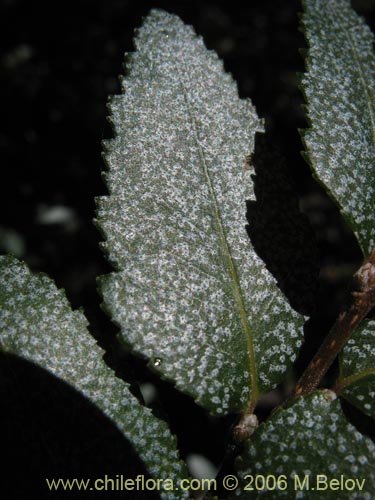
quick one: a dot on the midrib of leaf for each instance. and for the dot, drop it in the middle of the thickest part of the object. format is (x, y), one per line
(237, 292)
(363, 81)
(210, 334)
(344, 382)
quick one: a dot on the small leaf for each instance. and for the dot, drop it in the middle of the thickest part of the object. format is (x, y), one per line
(310, 439)
(38, 324)
(190, 294)
(357, 368)
(340, 92)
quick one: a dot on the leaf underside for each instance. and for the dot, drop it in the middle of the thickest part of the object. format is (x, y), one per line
(310, 438)
(190, 294)
(357, 368)
(340, 92)
(38, 324)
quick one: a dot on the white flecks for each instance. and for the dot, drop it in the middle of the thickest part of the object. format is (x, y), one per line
(340, 88)
(315, 433)
(358, 361)
(175, 222)
(37, 323)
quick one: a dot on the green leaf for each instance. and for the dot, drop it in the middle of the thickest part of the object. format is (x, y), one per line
(357, 368)
(190, 294)
(340, 92)
(310, 439)
(38, 324)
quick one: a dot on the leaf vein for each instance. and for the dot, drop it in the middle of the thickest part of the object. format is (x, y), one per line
(237, 292)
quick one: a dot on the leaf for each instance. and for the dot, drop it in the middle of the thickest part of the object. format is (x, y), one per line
(357, 368)
(38, 324)
(190, 294)
(313, 439)
(340, 92)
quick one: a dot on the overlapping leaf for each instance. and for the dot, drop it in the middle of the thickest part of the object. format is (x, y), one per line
(357, 368)
(305, 447)
(190, 294)
(340, 92)
(38, 324)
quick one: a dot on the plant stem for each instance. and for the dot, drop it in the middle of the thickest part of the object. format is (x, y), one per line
(246, 426)
(361, 302)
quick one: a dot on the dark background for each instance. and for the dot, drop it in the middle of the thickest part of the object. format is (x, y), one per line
(59, 62)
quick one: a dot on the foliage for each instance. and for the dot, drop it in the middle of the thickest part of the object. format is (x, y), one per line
(190, 292)
(38, 324)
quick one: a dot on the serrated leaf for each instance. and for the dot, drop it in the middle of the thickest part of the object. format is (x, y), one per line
(310, 439)
(340, 91)
(357, 368)
(190, 293)
(38, 324)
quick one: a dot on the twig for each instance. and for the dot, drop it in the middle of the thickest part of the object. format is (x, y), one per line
(362, 301)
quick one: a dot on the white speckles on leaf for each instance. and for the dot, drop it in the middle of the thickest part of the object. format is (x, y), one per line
(312, 437)
(357, 368)
(38, 324)
(340, 92)
(189, 288)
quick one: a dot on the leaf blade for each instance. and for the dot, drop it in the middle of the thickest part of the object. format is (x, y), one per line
(339, 88)
(175, 226)
(357, 368)
(310, 438)
(37, 323)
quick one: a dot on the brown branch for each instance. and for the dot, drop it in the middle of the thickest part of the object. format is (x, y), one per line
(362, 301)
